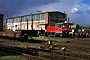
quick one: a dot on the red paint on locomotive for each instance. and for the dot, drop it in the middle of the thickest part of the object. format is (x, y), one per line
(59, 28)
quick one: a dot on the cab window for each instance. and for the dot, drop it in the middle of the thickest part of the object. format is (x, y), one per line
(63, 26)
(60, 26)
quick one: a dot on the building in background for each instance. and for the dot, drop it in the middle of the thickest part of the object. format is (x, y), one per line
(1, 22)
(40, 21)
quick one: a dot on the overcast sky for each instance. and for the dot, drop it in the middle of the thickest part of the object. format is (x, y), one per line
(77, 10)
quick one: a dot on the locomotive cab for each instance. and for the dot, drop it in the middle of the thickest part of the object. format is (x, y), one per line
(66, 29)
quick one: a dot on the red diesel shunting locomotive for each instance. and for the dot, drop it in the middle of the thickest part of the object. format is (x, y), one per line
(59, 29)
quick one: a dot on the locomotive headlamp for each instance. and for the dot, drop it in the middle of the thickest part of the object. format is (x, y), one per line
(69, 26)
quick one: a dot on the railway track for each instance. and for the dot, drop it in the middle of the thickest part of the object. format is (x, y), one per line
(40, 54)
(79, 46)
(29, 53)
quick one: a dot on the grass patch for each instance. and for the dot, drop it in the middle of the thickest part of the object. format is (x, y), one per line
(11, 58)
(5, 55)
(47, 39)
